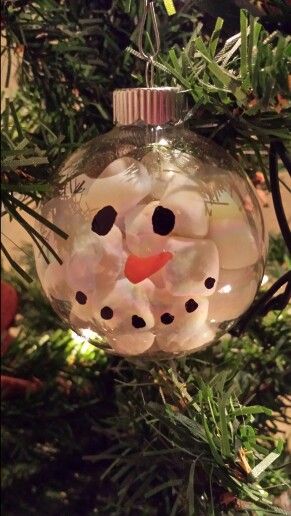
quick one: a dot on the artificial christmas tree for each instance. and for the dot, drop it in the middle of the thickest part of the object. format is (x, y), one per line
(103, 435)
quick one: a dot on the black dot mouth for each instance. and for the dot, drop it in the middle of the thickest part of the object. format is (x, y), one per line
(81, 298)
(167, 318)
(209, 282)
(191, 306)
(138, 322)
(106, 313)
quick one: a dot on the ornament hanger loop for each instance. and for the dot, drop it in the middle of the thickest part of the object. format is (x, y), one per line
(149, 9)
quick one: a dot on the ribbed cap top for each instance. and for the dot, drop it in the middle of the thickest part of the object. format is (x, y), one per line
(153, 106)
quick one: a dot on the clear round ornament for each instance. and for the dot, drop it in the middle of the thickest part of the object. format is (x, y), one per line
(166, 245)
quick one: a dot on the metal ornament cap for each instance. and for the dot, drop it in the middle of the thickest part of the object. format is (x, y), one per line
(151, 106)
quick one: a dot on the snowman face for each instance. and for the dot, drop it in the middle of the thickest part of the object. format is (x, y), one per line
(148, 297)
(143, 265)
(158, 224)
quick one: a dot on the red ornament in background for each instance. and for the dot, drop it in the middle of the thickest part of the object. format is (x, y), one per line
(11, 386)
(9, 305)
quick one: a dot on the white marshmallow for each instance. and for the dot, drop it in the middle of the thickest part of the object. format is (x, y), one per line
(231, 232)
(126, 300)
(236, 290)
(113, 258)
(67, 215)
(82, 266)
(161, 168)
(117, 166)
(64, 212)
(140, 237)
(191, 217)
(158, 279)
(206, 336)
(95, 261)
(177, 182)
(184, 321)
(54, 282)
(170, 168)
(121, 190)
(246, 193)
(131, 344)
(82, 314)
(173, 343)
(193, 262)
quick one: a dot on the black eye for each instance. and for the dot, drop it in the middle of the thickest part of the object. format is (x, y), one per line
(191, 305)
(209, 282)
(138, 322)
(167, 318)
(163, 220)
(106, 313)
(104, 220)
(81, 298)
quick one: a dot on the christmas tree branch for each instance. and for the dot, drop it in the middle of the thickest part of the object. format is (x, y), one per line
(268, 301)
(240, 90)
(275, 189)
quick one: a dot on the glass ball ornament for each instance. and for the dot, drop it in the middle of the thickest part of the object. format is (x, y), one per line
(166, 245)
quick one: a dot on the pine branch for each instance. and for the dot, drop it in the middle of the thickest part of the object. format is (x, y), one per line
(240, 89)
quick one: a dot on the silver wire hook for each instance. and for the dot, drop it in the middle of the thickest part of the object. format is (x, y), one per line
(149, 8)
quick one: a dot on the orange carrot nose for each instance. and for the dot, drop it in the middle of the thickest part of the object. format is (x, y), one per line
(139, 268)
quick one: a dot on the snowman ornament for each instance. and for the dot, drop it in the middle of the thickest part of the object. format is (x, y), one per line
(166, 245)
